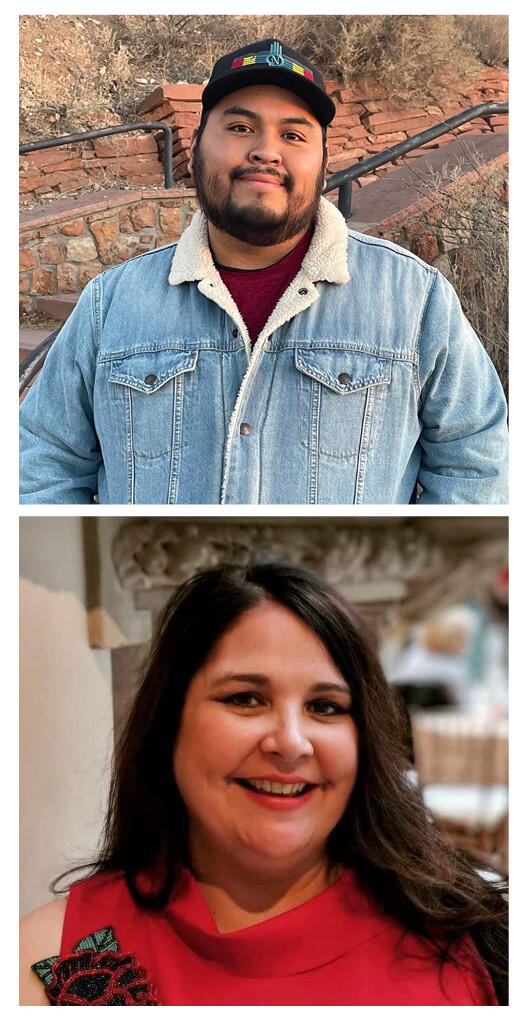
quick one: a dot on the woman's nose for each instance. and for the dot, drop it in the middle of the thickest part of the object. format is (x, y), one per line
(287, 738)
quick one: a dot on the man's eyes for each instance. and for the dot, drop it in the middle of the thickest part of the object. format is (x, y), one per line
(239, 128)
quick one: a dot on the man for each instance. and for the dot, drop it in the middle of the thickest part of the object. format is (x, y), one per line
(272, 356)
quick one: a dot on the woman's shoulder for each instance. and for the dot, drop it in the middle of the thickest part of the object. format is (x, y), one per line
(40, 937)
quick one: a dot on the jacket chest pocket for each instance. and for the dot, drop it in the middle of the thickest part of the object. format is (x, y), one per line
(153, 386)
(342, 395)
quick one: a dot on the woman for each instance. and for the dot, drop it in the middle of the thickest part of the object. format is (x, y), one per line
(263, 843)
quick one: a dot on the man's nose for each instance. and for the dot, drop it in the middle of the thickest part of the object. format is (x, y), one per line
(287, 738)
(265, 150)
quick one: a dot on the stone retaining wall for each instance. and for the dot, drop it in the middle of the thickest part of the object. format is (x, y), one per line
(61, 251)
(65, 245)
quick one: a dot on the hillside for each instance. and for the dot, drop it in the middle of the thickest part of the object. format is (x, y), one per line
(85, 72)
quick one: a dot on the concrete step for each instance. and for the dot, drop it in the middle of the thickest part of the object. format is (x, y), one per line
(59, 306)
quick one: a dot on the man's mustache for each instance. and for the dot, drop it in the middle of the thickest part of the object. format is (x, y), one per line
(240, 173)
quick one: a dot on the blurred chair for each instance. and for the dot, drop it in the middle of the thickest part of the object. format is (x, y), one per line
(461, 759)
(414, 695)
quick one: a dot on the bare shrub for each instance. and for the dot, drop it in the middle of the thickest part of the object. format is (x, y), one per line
(471, 223)
(62, 87)
(417, 58)
(486, 35)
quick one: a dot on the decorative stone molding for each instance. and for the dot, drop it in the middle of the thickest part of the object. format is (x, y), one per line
(396, 567)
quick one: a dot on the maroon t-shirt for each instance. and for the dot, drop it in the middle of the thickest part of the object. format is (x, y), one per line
(257, 291)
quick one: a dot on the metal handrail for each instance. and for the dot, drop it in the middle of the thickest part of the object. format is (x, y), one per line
(93, 134)
(32, 363)
(346, 176)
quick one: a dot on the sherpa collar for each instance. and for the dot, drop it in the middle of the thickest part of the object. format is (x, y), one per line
(326, 258)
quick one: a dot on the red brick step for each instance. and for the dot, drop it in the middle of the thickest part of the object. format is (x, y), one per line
(59, 306)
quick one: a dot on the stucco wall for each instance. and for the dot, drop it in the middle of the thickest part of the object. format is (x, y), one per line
(66, 709)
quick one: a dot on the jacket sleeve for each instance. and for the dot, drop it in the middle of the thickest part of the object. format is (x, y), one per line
(462, 409)
(59, 450)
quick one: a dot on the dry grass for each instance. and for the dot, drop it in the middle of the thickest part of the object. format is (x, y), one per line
(84, 72)
(471, 219)
(488, 37)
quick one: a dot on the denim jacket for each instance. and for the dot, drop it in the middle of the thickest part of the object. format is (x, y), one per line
(366, 381)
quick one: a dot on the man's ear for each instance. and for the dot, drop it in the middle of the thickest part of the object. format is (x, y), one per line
(191, 151)
(325, 164)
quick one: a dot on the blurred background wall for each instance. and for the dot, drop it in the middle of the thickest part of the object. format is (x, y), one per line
(66, 708)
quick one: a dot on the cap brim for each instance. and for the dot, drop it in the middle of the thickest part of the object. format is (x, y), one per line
(318, 102)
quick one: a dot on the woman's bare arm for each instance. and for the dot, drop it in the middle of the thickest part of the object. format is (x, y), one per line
(40, 937)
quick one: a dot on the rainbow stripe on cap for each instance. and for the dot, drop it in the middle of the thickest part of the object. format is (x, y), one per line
(274, 58)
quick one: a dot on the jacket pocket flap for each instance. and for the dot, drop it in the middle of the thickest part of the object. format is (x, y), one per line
(147, 371)
(342, 370)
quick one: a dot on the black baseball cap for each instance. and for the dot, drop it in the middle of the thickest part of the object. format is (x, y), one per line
(269, 61)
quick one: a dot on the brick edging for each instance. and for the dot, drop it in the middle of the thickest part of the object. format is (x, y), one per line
(61, 211)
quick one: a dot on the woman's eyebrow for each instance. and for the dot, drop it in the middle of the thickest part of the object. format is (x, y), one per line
(260, 679)
(243, 678)
(331, 686)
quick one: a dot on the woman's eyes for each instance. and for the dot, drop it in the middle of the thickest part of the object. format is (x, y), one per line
(243, 699)
(327, 708)
(321, 707)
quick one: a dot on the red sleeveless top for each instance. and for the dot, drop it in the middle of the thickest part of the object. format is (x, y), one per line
(338, 948)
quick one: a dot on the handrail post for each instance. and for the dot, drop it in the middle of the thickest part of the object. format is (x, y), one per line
(344, 202)
(167, 156)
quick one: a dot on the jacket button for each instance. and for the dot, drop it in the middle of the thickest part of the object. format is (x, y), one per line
(245, 429)
(303, 290)
(344, 378)
(150, 379)
(235, 333)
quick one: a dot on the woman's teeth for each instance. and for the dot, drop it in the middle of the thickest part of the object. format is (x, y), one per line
(276, 787)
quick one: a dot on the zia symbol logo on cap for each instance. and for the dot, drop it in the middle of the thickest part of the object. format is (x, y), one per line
(275, 55)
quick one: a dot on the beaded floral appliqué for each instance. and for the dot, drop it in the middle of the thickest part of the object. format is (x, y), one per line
(96, 973)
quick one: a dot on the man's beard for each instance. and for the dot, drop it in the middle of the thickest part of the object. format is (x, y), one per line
(254, 223)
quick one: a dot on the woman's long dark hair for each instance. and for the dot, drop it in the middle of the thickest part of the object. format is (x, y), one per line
(385, 834)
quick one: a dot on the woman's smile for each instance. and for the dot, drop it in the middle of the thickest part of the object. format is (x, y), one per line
(272, 794)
